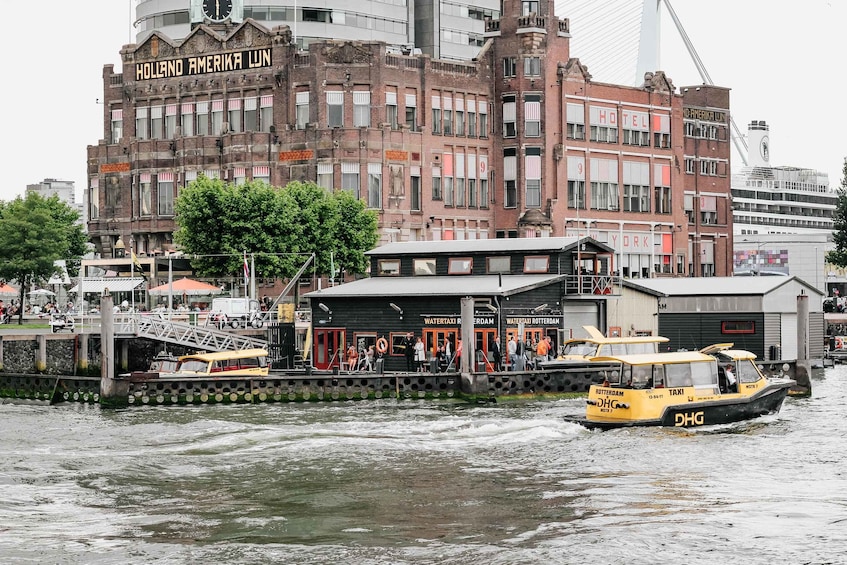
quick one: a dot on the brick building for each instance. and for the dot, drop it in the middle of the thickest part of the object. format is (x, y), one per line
(519, 142)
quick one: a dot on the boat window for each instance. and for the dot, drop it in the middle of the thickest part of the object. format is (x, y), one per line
(747, 372)
(642, 376)
(617, 349)
(195, 365)
(636, 348)
(613, 377)
(678, 375)
(658, 376)
(705, 374)
(581, 348)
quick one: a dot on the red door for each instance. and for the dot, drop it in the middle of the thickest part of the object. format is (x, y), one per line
(328, 349)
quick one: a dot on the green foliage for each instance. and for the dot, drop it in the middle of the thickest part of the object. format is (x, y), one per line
(279, 227)
(838, 256)
(34, 233)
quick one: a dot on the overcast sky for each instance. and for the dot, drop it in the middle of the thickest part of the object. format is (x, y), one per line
(782, 63)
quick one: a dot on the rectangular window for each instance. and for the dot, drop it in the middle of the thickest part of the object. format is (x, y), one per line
(460, 116)
(375, 185)
(532, 66)
(234, 115)
(690, 166)
(576, 121)
(217, 117)
(415, 188)
(165, 189)
(302, 110)
(460, 266)
(94, 198)
(251, 116)
(662, 187)
(509, 67)
(117, 125)
(436, 114)
(738, 327)
(532, 167)
(471, 118)
(510, 176)
(447, 123)
(361, 109)
(412, 112)
(472, 172)
(636, 128)
(203, 118)
(187, 119)
(576, 182)
(460, 179)
(483, 119)
(529, 7)
(325, 176)
(662, 131)
(604, 124)
(350, 178)
(483, 181)
(145, 195)
(604, 184)
(424, 267)
(536, 264)
(388, 267)
(532, 115)
(499, 264)
(266, 112)
(335, 108)
(141, 123)
(157, 122)
(447, 178)
(170, 121)
(391, 110)
(636, 183)
(262, 173)
(436, 183)
(509, 116)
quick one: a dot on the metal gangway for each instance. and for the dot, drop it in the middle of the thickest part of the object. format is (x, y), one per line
(180, 333)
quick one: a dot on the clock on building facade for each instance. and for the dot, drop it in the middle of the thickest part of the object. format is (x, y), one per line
(217, 11)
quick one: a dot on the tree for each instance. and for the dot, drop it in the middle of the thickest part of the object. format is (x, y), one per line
(838, 256)
(280, 227)
(34, 233)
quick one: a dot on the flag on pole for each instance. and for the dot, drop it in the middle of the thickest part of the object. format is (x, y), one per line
(137, 264)
(246, 270)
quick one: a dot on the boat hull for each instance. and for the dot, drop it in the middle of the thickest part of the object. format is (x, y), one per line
(693, 413)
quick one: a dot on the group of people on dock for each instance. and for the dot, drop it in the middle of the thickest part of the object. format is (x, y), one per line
(520, 354)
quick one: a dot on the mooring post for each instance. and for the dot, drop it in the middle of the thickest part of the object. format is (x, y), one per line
(41, 355)
(82, 359)
(113, 392)
(803, 366)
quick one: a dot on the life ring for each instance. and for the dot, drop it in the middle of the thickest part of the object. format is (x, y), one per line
(382, 345)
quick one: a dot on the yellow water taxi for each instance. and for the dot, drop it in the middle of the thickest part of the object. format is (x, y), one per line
(716, 385)
(584, 349)
(221, 364)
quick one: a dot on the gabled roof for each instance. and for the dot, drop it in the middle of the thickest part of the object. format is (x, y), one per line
(453, 247)
(456, 285)
(705, 286)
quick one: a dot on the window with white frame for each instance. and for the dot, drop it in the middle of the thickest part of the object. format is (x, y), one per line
(447, 124)
(157, 122)
(325, 180)
(239, 175)
(187, 119)
(217, 117)
(510, 177)
(188, 177)
(636, 186)
(576, 182)
(375, 185)
(251, 114)
(447, 178)
(436, 183)
(532, 66)
(636, 128)
(529, 7)
(141, 131)
(532, 115)
(93, 198)
(688, 206)
(483, 118)
(604, 124)
(415, 188)
(301, 109)
(662, 131)
(412, 112)
(604, 184)
(234, 114)
(170, 121)
(262, 173)
(483, 181)
(145, 195)
(361, 109)
(708, 209)
(436, 113)
(509, 67)
(690, 165)
(165, 193)
(471, 118)
(266, 112)
(117, 125)
(576, 121)
(203, 123)
(391, 115)
(532, 166)
(662, 187)
(350, 178)
(335, 108)
(460, 179)
(460, 116)
(509, 116)
(472, 173)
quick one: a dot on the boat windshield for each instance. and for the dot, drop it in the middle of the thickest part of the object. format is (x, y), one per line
(193, 365)
(581, 348)
(747, 371)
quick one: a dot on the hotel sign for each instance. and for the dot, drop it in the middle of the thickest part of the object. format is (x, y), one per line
(203, 64)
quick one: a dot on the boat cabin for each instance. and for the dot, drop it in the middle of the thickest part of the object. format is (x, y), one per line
(244, 362)
(598, 345)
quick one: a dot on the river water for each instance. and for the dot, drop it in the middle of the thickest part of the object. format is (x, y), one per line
(395, 482)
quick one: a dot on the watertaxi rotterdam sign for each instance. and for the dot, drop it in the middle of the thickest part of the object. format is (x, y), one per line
(203, 64)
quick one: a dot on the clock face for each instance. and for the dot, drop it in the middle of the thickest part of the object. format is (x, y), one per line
(217, 10)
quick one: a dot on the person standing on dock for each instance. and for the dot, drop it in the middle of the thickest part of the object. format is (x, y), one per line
(496, 353)
(512, 348)
(408, 345)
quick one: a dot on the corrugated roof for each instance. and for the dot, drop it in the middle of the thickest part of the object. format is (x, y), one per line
(488, 285)
(114, 284)
(522, 244)
(703, 286)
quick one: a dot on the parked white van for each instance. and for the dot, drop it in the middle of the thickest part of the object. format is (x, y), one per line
(235, 312)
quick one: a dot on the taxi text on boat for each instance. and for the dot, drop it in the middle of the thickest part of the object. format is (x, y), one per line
(682, 389)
